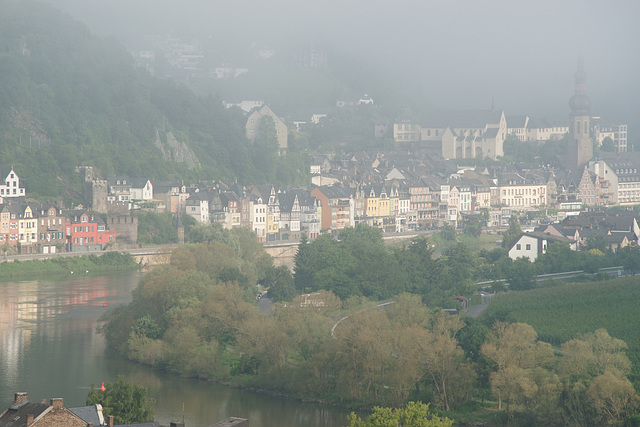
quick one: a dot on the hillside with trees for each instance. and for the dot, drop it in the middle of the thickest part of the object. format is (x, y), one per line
(68, 98)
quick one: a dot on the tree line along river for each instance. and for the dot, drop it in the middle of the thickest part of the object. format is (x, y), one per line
(49, 348)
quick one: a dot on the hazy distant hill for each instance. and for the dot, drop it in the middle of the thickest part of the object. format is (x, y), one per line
(68, 98)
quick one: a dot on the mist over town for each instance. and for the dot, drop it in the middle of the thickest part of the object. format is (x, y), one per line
(233, 213)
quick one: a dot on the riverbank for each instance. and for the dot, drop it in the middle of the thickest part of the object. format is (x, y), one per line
(106, 262)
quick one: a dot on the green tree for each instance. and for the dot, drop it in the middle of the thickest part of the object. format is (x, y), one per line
(521, 274)
(423, 271)
(598, 242)
(608, 145)
(414, 414)
(630, 258)
(448, 233)
(303, 268)
(558, 258)
(594, 354)
(458, 268)
(128, 403)
(520, 359)
(280, 284)
(445, 366)
(512, 234)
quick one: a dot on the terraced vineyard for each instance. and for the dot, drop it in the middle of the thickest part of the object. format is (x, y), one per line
(568, 310)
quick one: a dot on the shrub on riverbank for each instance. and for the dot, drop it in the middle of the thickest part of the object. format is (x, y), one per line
(110, 261)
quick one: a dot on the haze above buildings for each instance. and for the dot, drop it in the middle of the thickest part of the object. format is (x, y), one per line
(456, 54)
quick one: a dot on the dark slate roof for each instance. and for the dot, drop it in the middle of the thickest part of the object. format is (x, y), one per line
(543, 236)
(473, 119)
(545, 124)
(516, 121)
(5, 171)
(164, 186)
(336, 192)
(491, 133)
(88, 414)
(16, 414)
(286, 201)
(113, 180)
(616, 238)
(138, 182)
(304, 196)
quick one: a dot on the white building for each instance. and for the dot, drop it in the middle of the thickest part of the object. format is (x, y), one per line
(617, 133)
(141, 189)
(198, 209)
(10, 187)
(531, 245)
(522, 192)
(259, 211)
(542, 130)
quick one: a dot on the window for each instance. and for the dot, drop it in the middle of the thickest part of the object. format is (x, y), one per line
(518, 246)
(528, 246)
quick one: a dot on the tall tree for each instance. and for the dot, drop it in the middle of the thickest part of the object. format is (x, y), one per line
(512, 234)
(518, 354)
(280, 284)
(445, 364)
(128, 403)
(303, 268)
(521, 274)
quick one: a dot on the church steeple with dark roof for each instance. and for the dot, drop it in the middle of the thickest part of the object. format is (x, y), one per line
(580, 146)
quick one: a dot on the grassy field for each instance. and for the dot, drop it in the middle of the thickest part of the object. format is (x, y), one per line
(568, 310)
(109, 261)
(484, 241)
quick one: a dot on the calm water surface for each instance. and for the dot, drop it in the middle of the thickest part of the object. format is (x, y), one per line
(49, 348)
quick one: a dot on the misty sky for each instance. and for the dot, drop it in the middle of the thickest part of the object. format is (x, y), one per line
(463, 53)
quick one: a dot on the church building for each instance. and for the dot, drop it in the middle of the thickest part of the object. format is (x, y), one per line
(579, 146)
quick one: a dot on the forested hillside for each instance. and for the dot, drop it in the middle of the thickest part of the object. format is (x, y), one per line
(68, 98)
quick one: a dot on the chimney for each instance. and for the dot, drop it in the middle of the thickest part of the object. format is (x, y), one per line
(89, 424)
(29, 419)
(110, 420)
(57, 402)
(20, 396)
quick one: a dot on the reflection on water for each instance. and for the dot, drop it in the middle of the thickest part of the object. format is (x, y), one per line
(49, 348)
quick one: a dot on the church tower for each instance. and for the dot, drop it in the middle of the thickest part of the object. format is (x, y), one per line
(580, 146)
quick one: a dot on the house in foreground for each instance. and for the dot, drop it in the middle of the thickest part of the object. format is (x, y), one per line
(531, 245)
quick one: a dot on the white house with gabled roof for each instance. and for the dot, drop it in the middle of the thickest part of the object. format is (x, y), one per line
(10, 186)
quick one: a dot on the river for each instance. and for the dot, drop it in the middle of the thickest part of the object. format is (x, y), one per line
(49, 348)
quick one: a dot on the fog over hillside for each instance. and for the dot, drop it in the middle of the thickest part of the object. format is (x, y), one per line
(460, 54)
